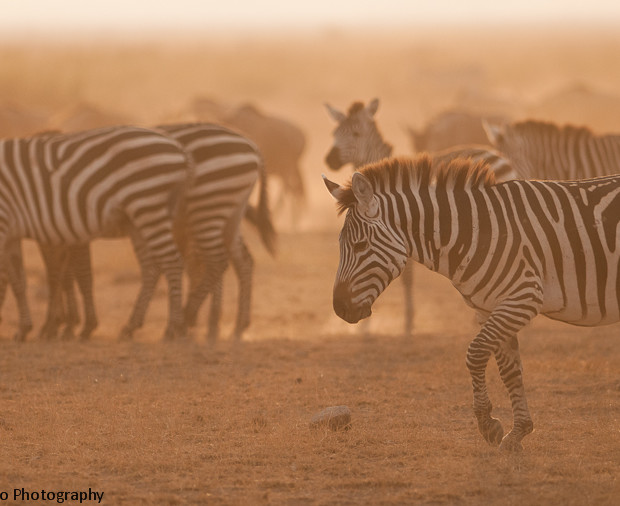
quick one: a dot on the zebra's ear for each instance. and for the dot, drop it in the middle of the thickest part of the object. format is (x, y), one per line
(335, 113)
(334, 188)
(494, 132)
(372, 106)
(365, 195)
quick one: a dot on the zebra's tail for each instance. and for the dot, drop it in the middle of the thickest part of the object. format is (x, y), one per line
(178, 197)
(260, 216)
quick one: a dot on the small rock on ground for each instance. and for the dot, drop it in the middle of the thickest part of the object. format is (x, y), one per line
(335, 418)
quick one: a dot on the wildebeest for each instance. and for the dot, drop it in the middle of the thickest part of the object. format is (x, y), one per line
(450, 128)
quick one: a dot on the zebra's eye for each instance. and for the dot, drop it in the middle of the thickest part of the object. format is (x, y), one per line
(361, 245)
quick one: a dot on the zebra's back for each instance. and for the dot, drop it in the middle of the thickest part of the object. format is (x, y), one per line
(73, 188)
(227, 166)
(565, 233)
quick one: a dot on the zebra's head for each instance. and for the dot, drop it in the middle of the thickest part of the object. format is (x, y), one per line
(356, 138)
(517, 142)
(372, 254)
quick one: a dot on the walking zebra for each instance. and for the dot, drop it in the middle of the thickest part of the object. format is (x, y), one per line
(227, 166)
(358, 141)
(64, 190)
(542, 150)
(513, 250)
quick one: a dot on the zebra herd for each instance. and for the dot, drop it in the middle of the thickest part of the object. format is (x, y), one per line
(531, 226)
(513, 249)
(173, 189)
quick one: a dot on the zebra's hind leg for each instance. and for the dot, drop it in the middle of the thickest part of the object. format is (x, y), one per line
(54, 259)
(209, 274)
(81, 269)
(71, 313)
(407, 277)
(215, 310)
(17, 280)
(150, 273)
(243, 263)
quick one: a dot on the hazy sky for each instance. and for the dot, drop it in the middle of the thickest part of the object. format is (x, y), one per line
(22, 16)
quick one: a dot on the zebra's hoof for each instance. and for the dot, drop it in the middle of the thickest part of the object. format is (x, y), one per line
(125, 334)
(511, 444)
(68, 334)
(169, 335)
(87, 332)
(494, 432)
(19, 337)
(48, 335)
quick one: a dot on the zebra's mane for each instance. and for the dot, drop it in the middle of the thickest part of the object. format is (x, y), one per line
(535, 127)
(420, 172)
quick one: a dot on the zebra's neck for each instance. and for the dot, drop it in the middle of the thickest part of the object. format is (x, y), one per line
(440, 235)
(375, 150)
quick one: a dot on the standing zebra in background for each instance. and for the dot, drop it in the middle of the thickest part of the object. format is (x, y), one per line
(357, 141)
(227, 167)
(542, 150)
(513, 250)
(65, 190)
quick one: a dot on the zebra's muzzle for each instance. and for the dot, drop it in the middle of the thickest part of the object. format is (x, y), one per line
(346, 309)
(333, 160)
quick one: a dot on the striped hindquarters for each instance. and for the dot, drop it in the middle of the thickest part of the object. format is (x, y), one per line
(72, 188)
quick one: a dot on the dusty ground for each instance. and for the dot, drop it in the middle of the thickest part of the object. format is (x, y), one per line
(175, 423)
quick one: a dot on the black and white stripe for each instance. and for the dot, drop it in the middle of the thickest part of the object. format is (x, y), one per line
(64, 190)
(513, 250)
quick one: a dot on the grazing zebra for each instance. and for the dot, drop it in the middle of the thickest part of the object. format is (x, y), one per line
(358, 141)
(542, 150)
(65, 190)
(513, 250)
(227, 166)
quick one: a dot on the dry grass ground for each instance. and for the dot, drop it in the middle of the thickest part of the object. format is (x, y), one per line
(177, 423)
(180, 423)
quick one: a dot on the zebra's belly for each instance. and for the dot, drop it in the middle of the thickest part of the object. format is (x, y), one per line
(589, 312)
(587, 305)
(588, 316)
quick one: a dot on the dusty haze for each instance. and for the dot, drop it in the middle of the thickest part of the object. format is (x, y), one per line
(154, 423)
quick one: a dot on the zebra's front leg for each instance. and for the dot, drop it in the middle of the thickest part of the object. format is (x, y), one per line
(511, 371)
(478, 355)
(498, 337)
